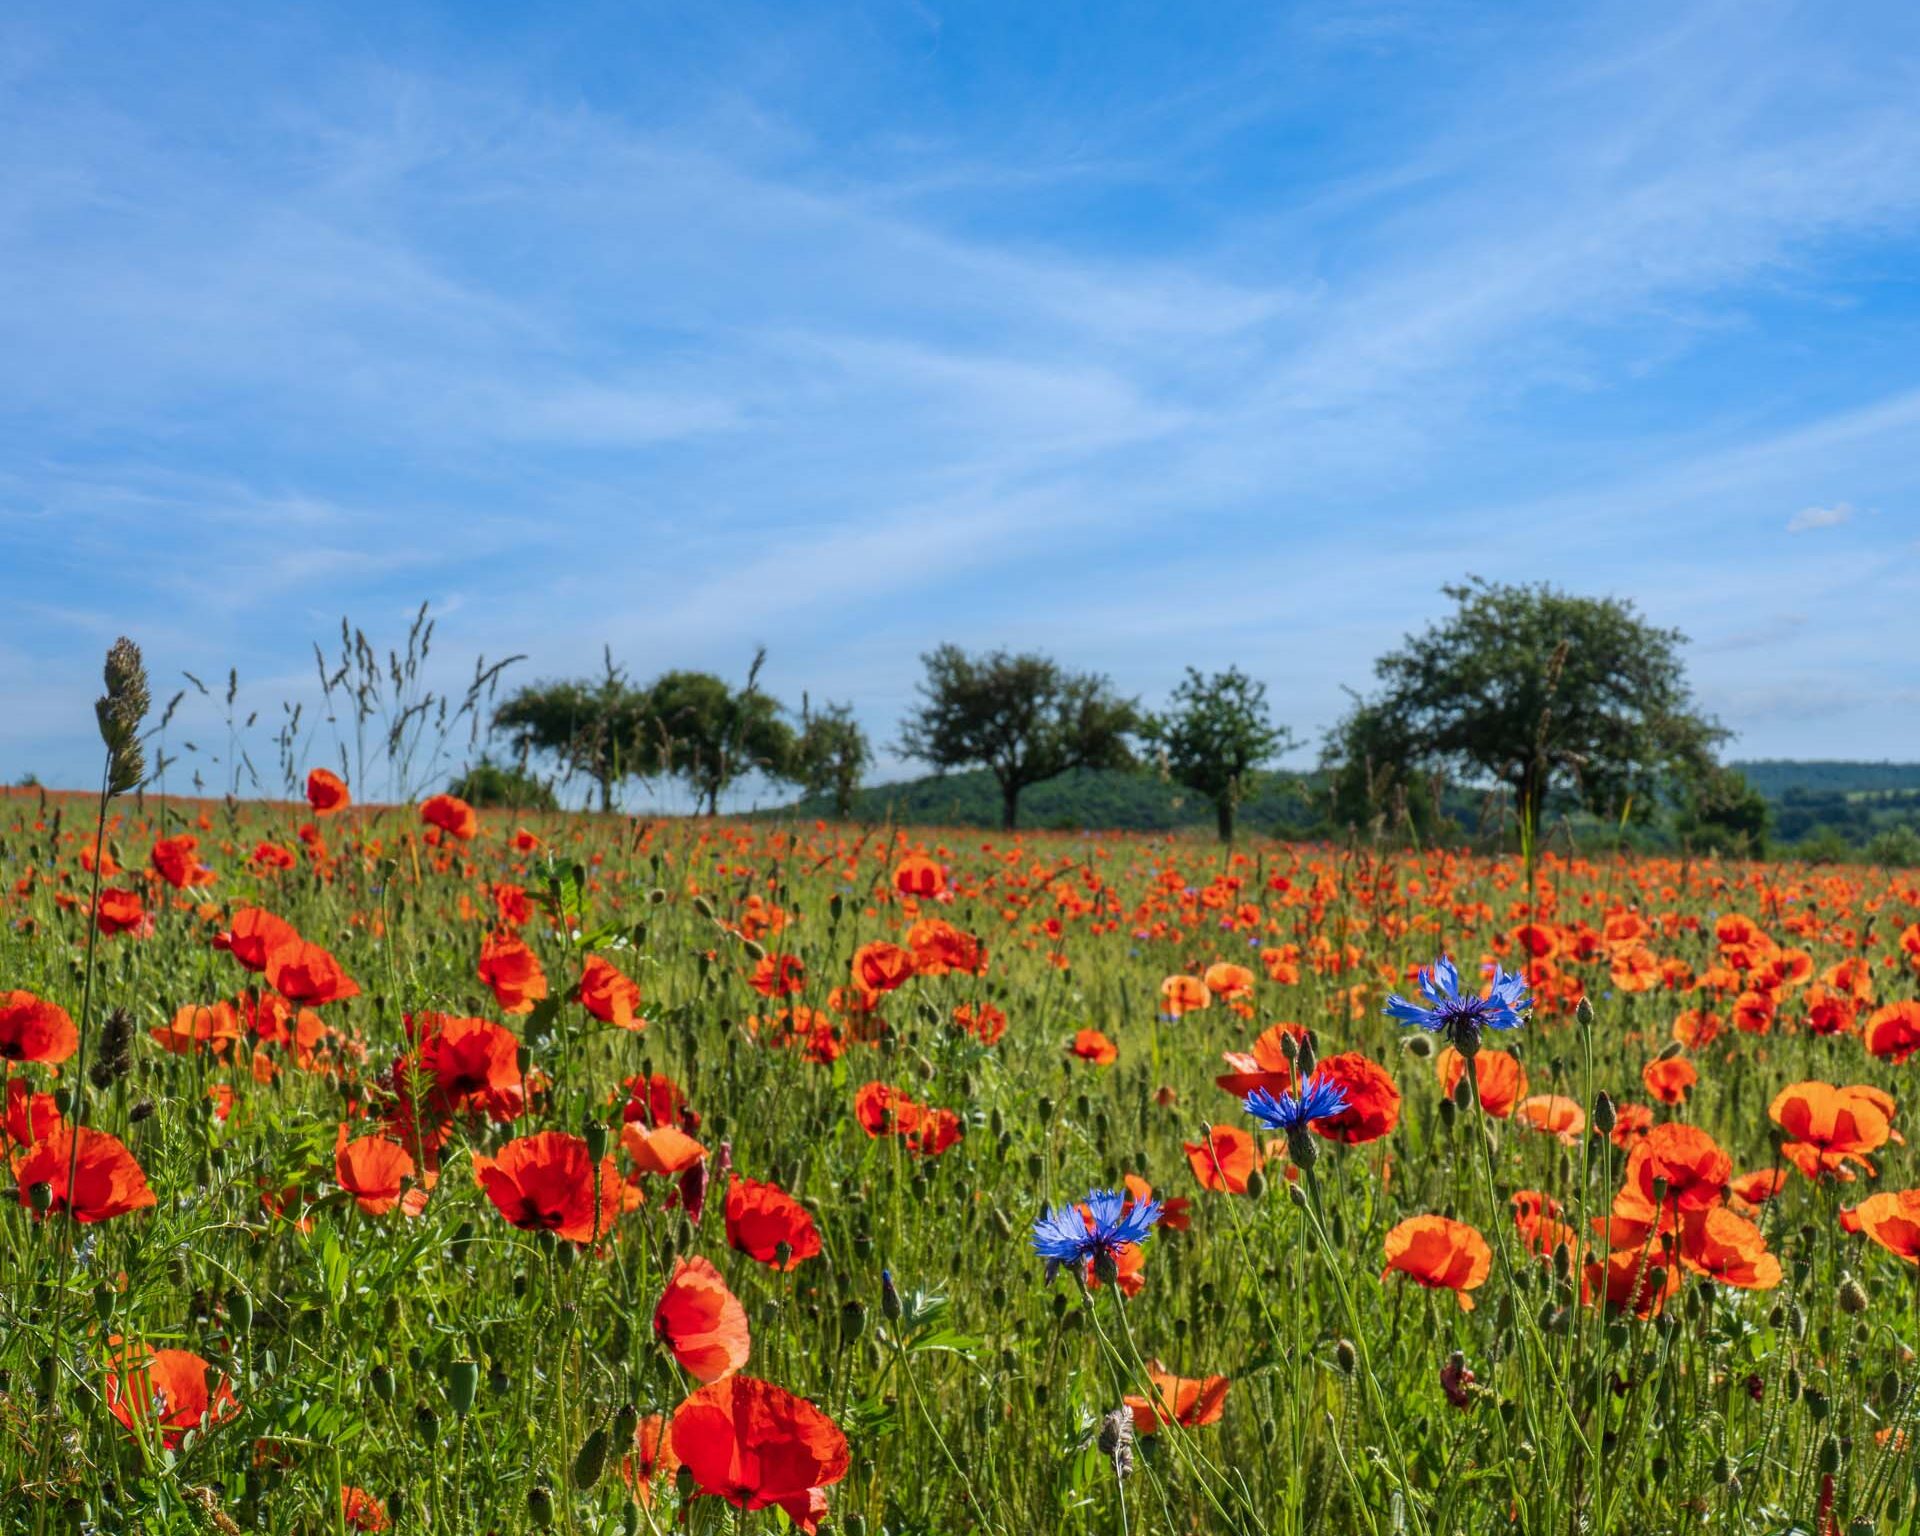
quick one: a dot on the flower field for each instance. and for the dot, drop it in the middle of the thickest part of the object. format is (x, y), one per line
(418, 1169)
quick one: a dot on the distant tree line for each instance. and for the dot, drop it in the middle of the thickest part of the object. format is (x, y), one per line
(1553, 703)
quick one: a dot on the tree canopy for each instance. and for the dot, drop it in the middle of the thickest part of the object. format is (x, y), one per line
(591, 726)
(1215, 736)
(1533, 688)
(1024, 717)
(832, 755)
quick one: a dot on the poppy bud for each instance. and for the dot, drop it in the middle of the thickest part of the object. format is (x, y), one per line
(1305, 1059)
(890, 1306)
(463, 1382)
(1852, 1295)
(1417, 1045)
(396, 1506)
(1345, 1357)
(1447, 1113)
(1583, 1013)
(1605, 1117)
(540, 1506)
(703, 907)
(40, 1197)
(592, 1460)
(140, 1111)
(853, 1322)
(103, 1299)
(683, 1483)
(1297, 1195)
(239, 1312)
(1257, 1181)
(1106, 1266)
(380, 1383)
(1463, 1092)
(426, 1424)
(1829, 1455)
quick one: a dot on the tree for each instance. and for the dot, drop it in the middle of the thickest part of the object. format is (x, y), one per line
(1216, 737)
(488, 783)
(1723, 813)
(832, 754)
(700, 729)
(1023, 717)
(591, 727)
(1535, 688)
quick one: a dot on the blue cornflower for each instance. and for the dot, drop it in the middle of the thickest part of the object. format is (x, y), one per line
(1461, 1019)
(1062, 1235)
(1318, 1098)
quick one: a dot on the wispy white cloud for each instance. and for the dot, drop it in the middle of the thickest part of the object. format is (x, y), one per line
(1809, 518)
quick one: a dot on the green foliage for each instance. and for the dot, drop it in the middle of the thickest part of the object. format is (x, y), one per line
(1896, 848)
(1725, 814)
(832, 756)
(701, 729)
(591, 727)
(1214, 738)
(488, 783)
(1534, 688)
(1022, 717)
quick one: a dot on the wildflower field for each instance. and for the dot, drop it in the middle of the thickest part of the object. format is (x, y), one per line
(407, 1168)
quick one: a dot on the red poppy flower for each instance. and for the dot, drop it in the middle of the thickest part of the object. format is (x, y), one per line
(1893, 1032)
(983, 1021)
(513, 972)
(1226, 1160)
(120, 911)
(760, 1217)
(327, 792)
(1728, 1248)
(107, 1179)
(658, 1100)
(778, 975)
(1177, 1400)
(166, 1390)
(609, 995)
(880, 967)
(361, 1510)
(255, 935)
(473, 1064)
(1265, 1066)
(33, 1029)
(372, 1169)
(702, 1322)
(1636, 1280)
(1441, 1254)
(1373, 1102)
(31, 1116)
(663, 1149)
(757, 1445)
(545, 1183)
(651, 1459)
(452, 816)
(1669, 1080)
(177, 861)
(940, 949)
(308, 973)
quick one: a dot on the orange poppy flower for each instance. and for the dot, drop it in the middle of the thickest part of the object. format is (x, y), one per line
(651, 1459)
(778, 975)
(327, 792)
(1225, 1160)
(1631, 1279)
(664, 1149)
(1502, 1080)
(762, 1217)
(1228, 982)
(1373, 1102)
(545, 1183)
(1635, 969)
(166, 1389)
(31, 1116)
(1176, 1214)
(33, 1029)
(512, 972)
(1892, 1219)
(1728, 1248)
(1265, 1066)
(1695, 1028)
(1691, 1162)
(452, 816)
(1441, 1254)
(609, 995)
(1181, 995)
(308, 973)
(1553, 1113)
(757, 1445)
(1670, 1080)
(702, 1322)
(254, 935)
(1177, 1400)
(107, 1180)
(940, 949)
(880, 967)
(1750, 1191)
(1091, 1045)
(201, 1028)
(372, 1169)
(918, 876)
(361, 1510)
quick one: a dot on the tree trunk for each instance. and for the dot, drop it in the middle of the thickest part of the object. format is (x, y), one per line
(1009, 806)
(1223, 817)
(606, 794)
(713, 799)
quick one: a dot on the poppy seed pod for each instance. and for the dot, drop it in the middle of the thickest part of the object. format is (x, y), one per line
(540, 1507)
(463, 1384)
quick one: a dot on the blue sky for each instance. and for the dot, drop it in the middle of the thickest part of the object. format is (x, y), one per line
(1146, 335)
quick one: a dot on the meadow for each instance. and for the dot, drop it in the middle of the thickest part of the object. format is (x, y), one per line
(406, 1168)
